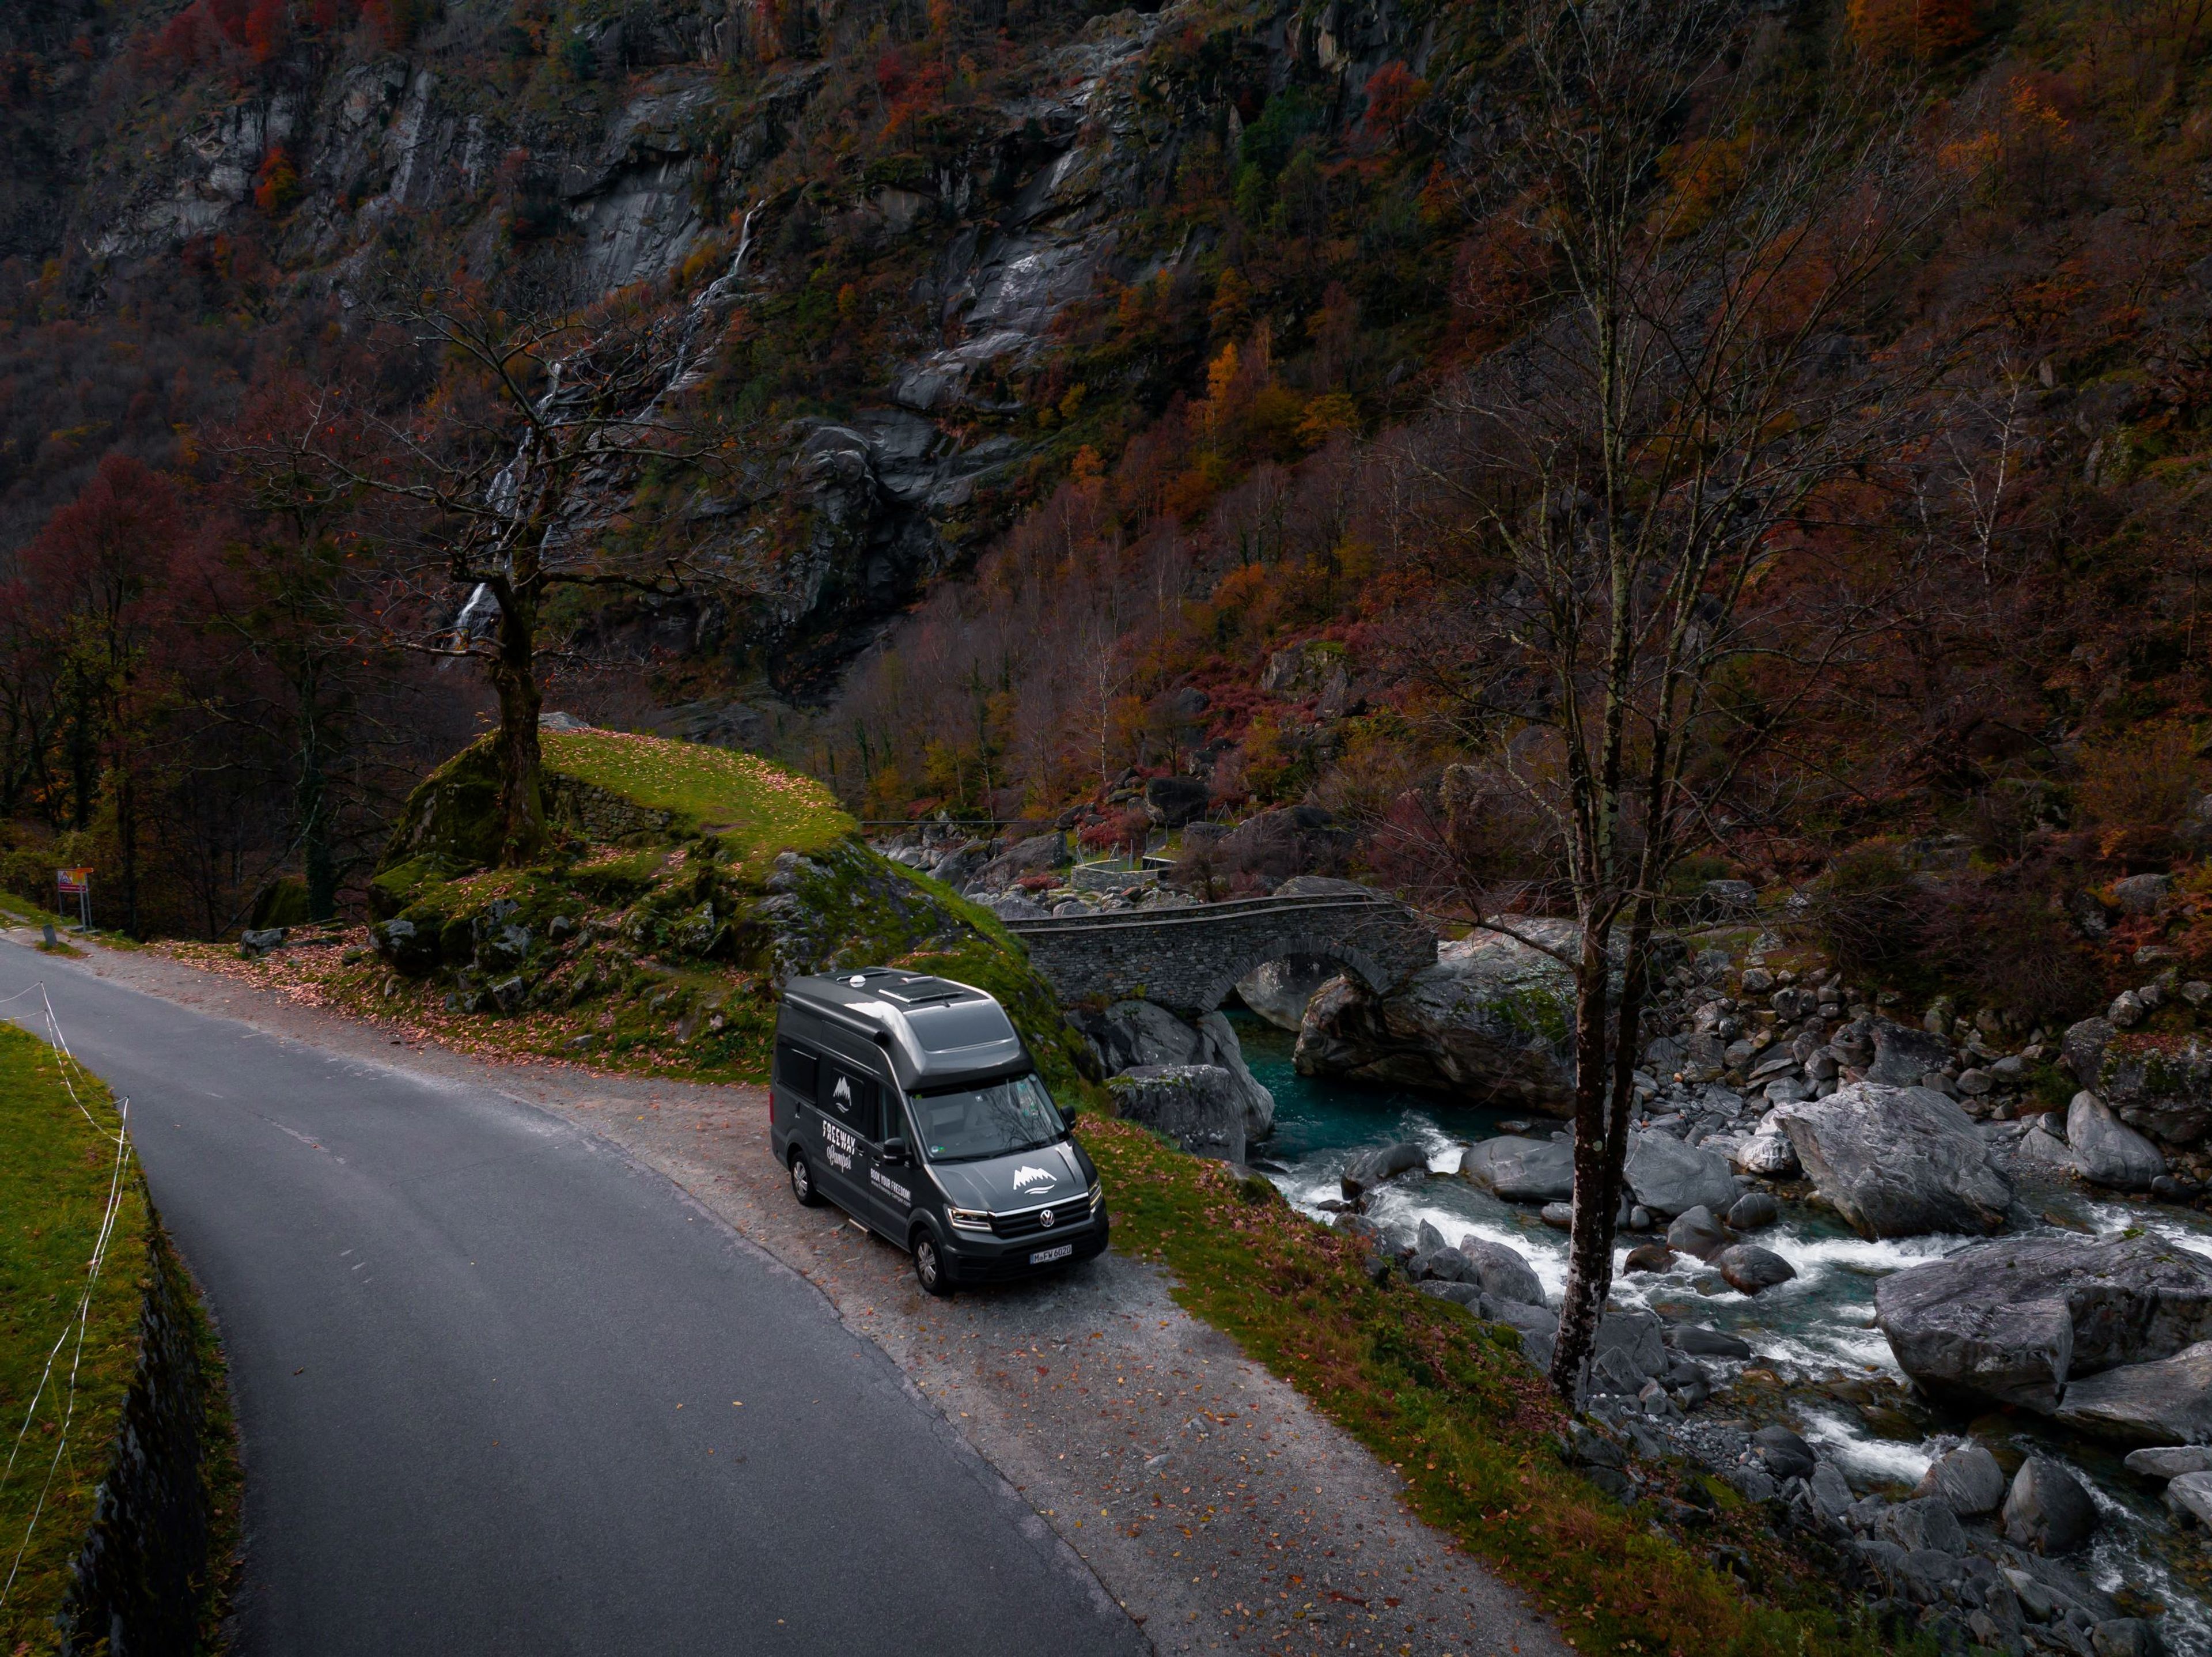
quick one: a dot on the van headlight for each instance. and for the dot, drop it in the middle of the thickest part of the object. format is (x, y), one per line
(1097, 1196)
(969, 1219)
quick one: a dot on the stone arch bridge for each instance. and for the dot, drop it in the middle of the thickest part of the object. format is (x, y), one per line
(1188, 959)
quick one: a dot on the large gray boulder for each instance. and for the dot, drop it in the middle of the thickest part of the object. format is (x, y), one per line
(2046, 1510)
(2171, 1460)
(1133, 1034)
(2166, 1401)
(1372, 1168)
(2110, 1151)
(1503, 1271)
(1489, 1020)
(1280, 991)
(2015, 1320)
(1897, 1162)
(1967, 1480)
(1521, 1170)
(1670, 1177)
(1199, 1107)
(2164, 1092)
(1040, 854)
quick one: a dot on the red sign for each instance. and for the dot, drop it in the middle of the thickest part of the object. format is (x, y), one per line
(72, 882)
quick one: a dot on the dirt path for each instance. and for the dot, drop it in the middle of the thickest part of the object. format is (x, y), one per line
(1212, 1503)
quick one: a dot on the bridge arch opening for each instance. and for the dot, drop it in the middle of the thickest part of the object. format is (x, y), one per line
(1312, 956)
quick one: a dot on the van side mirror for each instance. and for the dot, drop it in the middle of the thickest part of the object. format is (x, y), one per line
(1069, 1112)
(895, 1149)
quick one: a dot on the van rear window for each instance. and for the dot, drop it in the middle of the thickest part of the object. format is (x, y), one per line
(797, 1069)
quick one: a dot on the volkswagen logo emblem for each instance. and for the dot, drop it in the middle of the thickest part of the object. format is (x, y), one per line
(1045, 1219)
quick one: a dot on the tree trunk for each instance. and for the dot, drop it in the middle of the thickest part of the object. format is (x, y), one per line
(1597, 1176)
(521, 798)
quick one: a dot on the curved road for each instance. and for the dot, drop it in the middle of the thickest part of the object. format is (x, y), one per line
(502, 1391)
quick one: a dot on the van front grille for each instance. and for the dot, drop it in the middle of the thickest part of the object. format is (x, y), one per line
(1066, 1217)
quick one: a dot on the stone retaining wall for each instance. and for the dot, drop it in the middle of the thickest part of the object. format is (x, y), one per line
(1188, 960)
(600, 816)
(146, 1551)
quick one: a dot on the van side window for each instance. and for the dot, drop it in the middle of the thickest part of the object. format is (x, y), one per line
(797, 1070)
(851, 1097)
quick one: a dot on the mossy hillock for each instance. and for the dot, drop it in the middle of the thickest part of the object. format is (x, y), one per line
(681, 885)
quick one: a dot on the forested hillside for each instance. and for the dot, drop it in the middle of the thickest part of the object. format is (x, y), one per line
(1048, 399)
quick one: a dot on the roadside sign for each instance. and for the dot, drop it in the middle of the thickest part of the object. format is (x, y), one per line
(75, 883)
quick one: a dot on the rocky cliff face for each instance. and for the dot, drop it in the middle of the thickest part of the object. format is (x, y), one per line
(571, 150)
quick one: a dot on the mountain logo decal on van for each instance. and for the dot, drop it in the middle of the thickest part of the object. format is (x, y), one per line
(1026, 1176)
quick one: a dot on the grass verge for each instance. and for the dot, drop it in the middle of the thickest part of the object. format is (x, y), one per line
(57, 1170)
(752, 804)
(1449, 1402)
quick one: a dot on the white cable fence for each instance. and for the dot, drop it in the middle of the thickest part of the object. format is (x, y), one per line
(72, 1337)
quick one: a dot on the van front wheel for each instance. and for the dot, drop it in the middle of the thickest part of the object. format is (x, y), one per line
(802, 1181)
(929, 1264)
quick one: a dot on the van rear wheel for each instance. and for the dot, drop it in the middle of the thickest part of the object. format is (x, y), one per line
(929, 1264)
(802, 1181)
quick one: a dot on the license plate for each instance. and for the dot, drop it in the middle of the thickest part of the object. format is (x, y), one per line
(1045, 1254)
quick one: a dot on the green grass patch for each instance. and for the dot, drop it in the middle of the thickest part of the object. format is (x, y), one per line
(1449, 1402)
(57, 1170)
(753, 804)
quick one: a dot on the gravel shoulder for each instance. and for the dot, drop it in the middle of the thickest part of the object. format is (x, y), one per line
(1218, 1508)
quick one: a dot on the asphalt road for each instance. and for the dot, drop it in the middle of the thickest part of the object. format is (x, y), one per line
(502, 1390)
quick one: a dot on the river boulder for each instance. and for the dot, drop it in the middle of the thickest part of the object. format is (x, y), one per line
(1902, 1055)
(1199, 1107)
(1372, 1168)
(1748, 1268)
(2162, 1401)
(1671, 1178)
(1520, 1170)
(1897, 1162)
(2046, 1510)
(1490, 1019)
(2015, 1320)
(2164, 1093)
(1503, 1271)
(2110, 1151)
(1967, 1480)
(1133, 1034)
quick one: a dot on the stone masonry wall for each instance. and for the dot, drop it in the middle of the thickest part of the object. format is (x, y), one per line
(1188, 959)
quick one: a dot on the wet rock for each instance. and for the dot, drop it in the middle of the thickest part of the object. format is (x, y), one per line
(2014, 1320)
(1702, 1343)
(1491, 1015)
(1559, 1216)
(1696, 1232)
(2047, 1510)
(2189, 1497)
(1521, 1170)
(1280, 991)
(1967, 1480)
(1752, 1210)
(2108, 1151)
(2153, 1403)
(2127, 1636)
(1649, 1256)
(1750, 1269)
(2171, 1461)
(1669, 1177)
(1373, 1168)
(1503, 1271)
(1200, 1107)
(1897, 1162)
(1786, 1455)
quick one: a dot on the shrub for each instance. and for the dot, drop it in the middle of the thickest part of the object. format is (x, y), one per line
(2145, 779)
(2002, 938)
(1865, 911)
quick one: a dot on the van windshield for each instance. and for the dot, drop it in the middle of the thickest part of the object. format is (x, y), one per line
(995, 1118)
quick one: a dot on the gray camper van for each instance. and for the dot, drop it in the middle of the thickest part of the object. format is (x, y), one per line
(910, 1102)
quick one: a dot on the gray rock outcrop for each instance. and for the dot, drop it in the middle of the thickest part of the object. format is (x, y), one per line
(2156, 1402)
(1280, 991)
(1897, 1162)
(2016, 1320)
(1199, 1107)
(1489, 1020)
(2047, 1510)
(1669, 1178)
(2108, 1151)
(1521, 1170)
(1131, 1034)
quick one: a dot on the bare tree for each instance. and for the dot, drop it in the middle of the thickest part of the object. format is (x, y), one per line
(1645, 469)
(550, 457)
